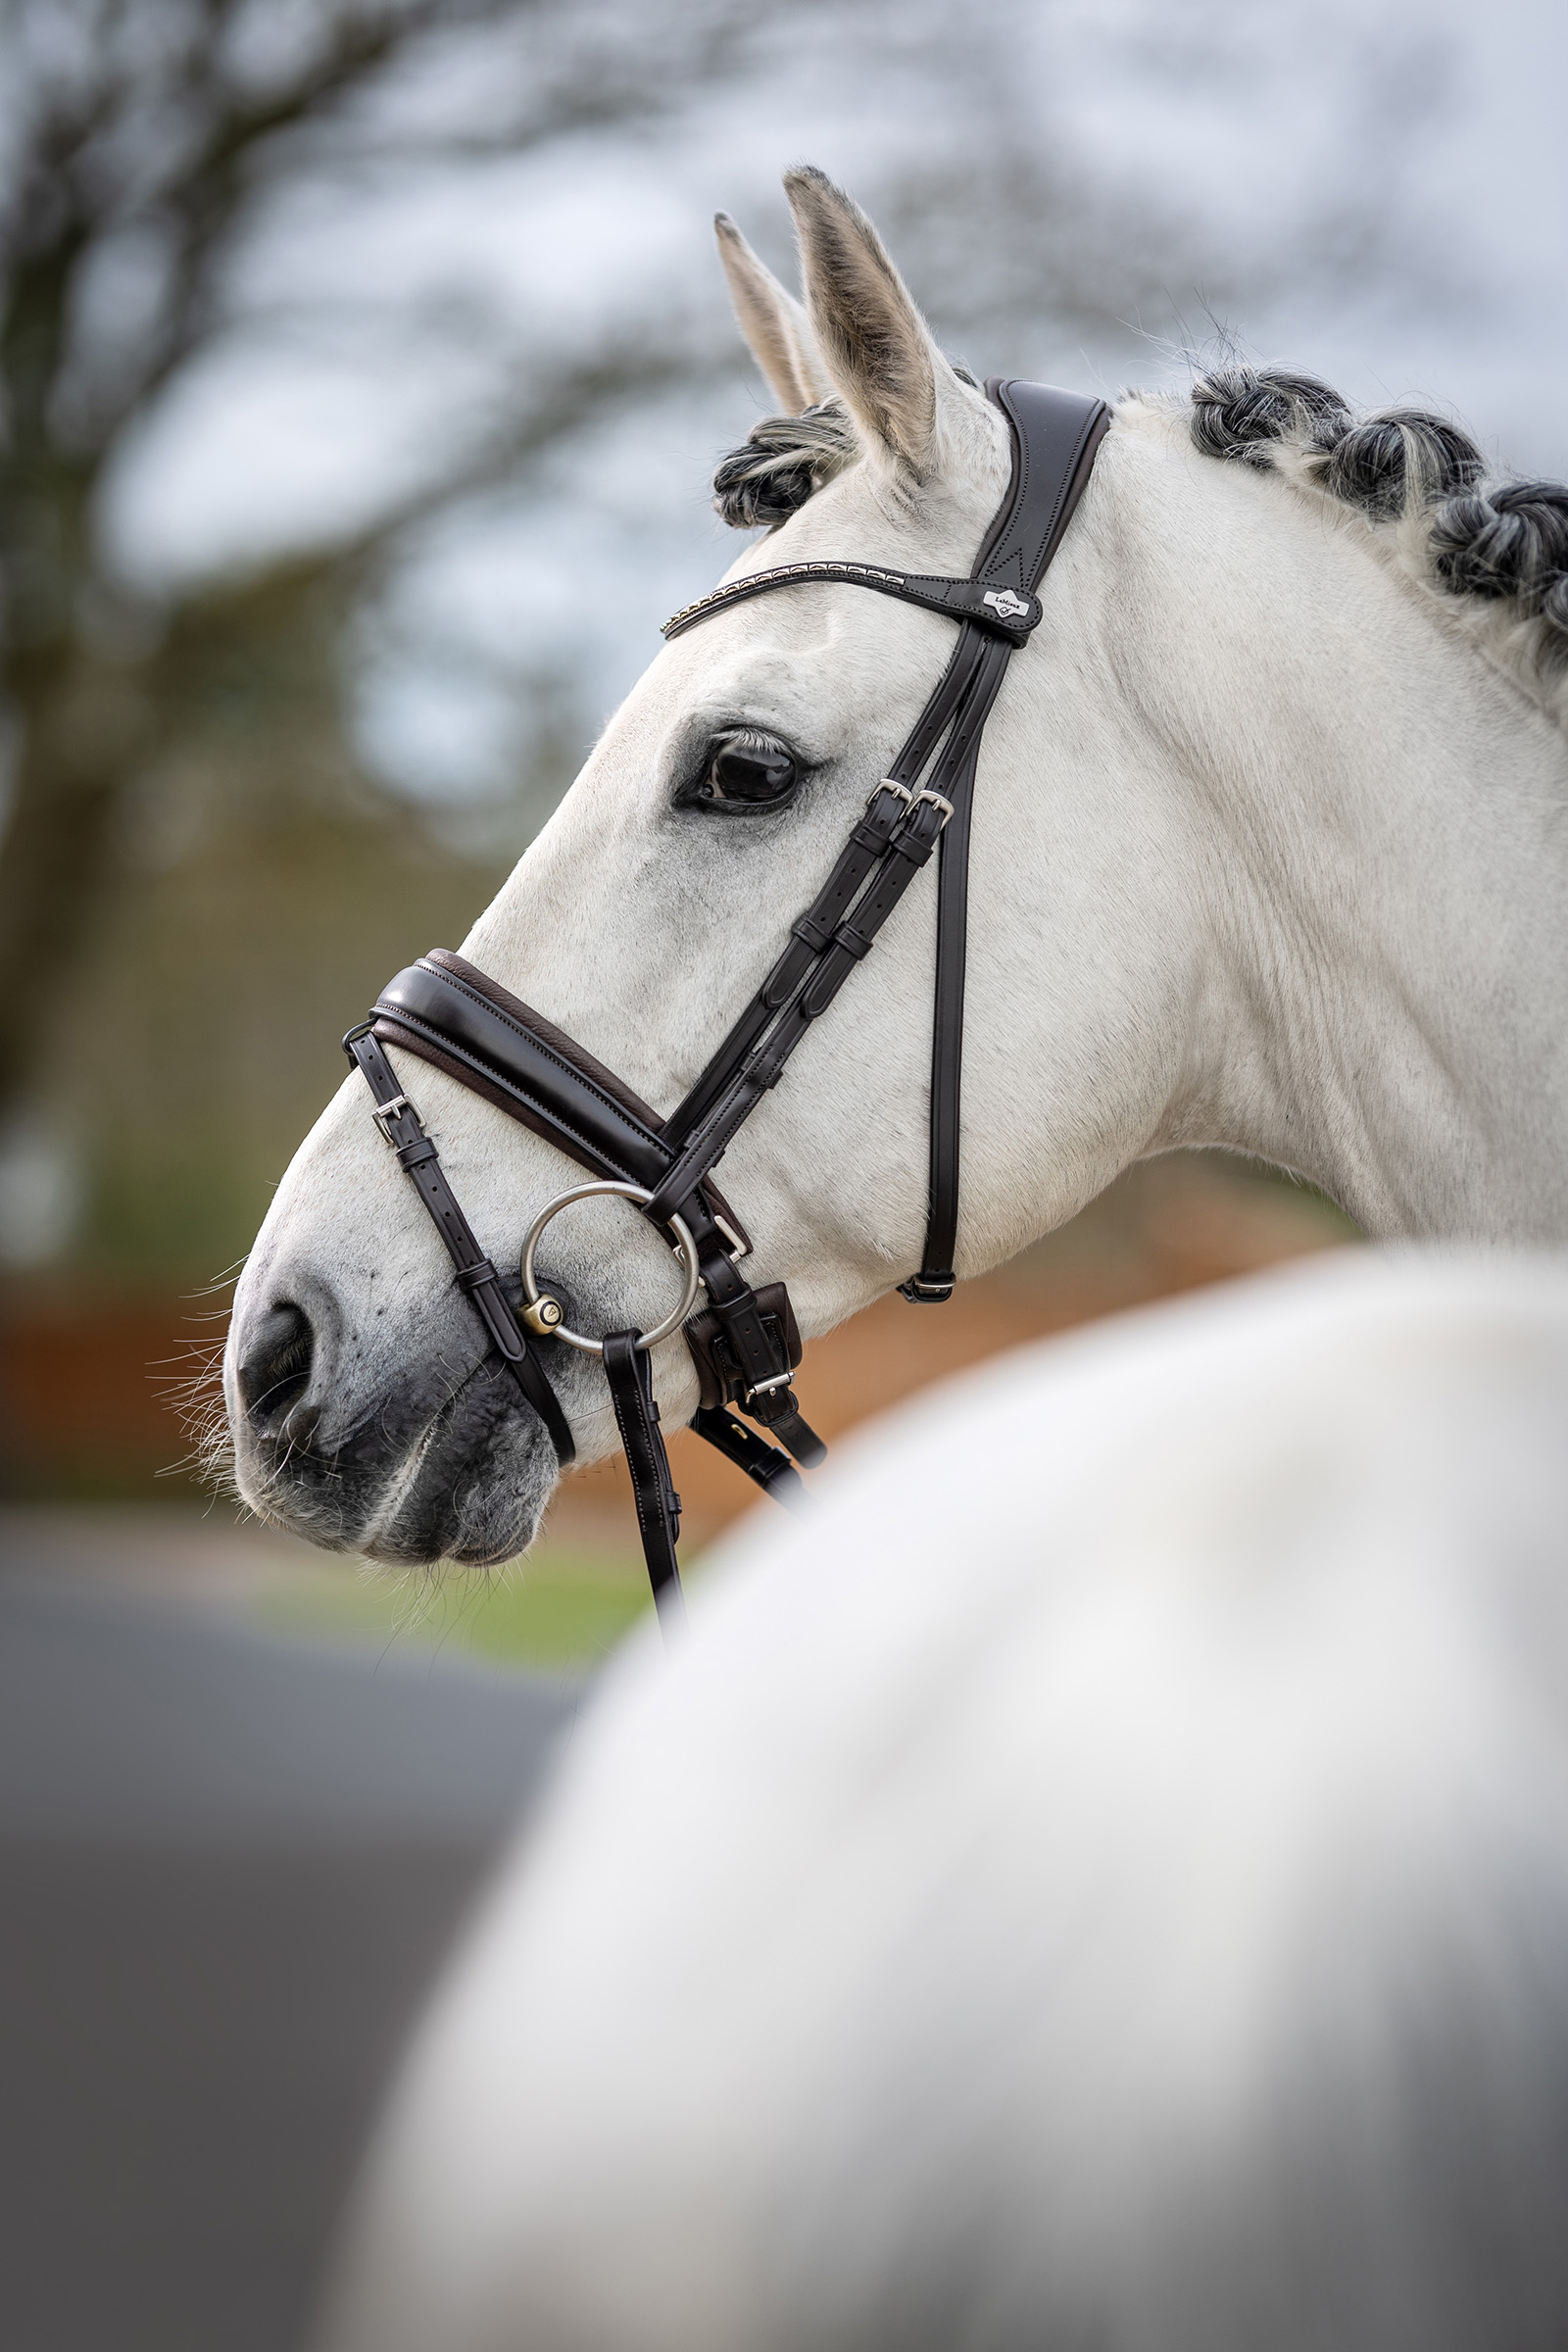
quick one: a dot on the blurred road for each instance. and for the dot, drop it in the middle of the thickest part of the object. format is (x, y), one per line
(229, 1865)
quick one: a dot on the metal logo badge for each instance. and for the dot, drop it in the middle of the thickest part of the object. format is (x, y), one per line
(1003, 601)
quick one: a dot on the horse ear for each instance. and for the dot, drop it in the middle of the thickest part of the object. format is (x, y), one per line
(878, 349)
(772, 322)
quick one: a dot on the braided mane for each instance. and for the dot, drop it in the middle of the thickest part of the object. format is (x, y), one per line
(1414, 475)
(1505, 544)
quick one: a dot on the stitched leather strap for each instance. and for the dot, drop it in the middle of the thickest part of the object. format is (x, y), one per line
(760, 1347)
(910, 844)
(401, 1124)
(811, 933)
(763, 1464)
(933, 1285)
(1056, 436)
(631, 1392)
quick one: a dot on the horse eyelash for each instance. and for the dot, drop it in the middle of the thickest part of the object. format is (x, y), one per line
(739, 737)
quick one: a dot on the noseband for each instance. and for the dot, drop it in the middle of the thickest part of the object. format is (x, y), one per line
(745, 1344)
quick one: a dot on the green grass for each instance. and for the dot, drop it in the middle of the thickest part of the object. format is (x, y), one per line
(566, 1605)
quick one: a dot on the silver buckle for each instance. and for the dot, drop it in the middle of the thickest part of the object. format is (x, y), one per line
(383, 1113)
(913, 798)
(737, 1248)
(780, 1379)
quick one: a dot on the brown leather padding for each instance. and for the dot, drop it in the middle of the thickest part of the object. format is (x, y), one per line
(547, 1033)
(578, 1058)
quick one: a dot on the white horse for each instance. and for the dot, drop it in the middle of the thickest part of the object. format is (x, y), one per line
(1269, 853)
(1101, 1882)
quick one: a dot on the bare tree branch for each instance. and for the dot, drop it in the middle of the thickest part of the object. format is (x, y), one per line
(137, 118)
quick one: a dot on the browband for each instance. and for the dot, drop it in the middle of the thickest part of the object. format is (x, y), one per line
(1009, 614)
(1055, 437)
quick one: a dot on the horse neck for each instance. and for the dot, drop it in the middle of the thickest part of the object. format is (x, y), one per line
(1381, 977)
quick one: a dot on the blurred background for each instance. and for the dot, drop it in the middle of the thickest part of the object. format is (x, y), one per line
(364, 372)
(363, 368)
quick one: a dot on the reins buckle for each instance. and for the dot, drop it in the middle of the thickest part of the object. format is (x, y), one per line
(913, 798)
(937, 800)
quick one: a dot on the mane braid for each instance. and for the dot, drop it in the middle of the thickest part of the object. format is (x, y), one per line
(785, 458)
(1504, 542)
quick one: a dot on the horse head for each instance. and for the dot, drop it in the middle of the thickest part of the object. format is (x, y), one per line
(1183, 842)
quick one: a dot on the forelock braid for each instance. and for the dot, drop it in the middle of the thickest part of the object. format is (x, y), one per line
(785, 458)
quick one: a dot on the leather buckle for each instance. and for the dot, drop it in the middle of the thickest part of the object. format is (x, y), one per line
(720, 1377)
(937, 800)
(383, 1113)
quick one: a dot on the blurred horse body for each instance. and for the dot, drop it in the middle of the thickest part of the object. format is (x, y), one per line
(1104, 1882)
(1269, 853)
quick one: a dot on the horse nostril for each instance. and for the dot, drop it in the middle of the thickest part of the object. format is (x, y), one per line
(274, 1371)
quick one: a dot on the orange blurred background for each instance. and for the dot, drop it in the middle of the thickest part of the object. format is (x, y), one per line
(88, 1386)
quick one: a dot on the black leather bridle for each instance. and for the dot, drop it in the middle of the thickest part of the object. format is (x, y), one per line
(745, 1344)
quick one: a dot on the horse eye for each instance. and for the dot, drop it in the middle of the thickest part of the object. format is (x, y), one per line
(748, 775)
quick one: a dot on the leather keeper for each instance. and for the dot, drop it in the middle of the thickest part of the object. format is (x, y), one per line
(719, 1375)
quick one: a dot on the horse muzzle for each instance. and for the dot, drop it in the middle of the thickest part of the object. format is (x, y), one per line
(408, 1465)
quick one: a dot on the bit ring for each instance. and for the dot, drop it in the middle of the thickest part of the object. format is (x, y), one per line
(685, 1249)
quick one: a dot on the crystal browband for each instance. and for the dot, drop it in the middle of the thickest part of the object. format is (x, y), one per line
(1007, 612)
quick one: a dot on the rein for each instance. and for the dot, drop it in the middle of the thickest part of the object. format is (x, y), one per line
(745, 1344)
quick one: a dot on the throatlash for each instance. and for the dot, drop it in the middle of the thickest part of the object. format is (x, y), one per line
(745, 1343)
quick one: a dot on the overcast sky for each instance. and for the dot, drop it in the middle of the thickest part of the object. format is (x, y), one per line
(1378, 192)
